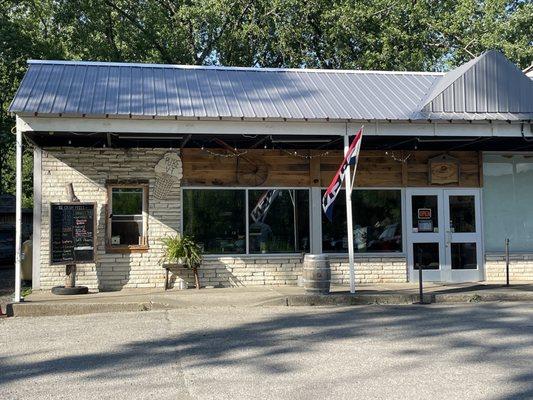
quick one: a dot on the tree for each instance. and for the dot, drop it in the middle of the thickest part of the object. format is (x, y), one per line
(358, 34)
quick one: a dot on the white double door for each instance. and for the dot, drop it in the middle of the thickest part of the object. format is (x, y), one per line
(444, 235)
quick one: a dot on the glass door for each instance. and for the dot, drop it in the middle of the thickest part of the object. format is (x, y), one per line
(425, 234)
(463, 235)
(444, 235)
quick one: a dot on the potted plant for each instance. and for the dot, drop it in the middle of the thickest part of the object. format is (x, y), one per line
(184, 251)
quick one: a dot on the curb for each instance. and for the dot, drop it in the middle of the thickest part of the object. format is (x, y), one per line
(352, 300)
(43, 309)
(477, 297)
(29, 309)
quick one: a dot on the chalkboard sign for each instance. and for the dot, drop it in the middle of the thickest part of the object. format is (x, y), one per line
(72, 233)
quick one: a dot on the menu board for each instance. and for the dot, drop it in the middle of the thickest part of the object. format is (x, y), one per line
(72, 233)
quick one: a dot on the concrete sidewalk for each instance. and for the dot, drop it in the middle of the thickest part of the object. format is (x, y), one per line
(45, 303)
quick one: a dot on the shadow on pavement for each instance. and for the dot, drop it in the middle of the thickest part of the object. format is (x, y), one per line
(507, 345)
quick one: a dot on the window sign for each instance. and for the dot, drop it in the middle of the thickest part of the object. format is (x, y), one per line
(425, 224)
(425, 213)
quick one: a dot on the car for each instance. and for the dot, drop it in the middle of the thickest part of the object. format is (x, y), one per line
(7, 246)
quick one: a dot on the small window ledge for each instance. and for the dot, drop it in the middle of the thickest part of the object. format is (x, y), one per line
(127, 249)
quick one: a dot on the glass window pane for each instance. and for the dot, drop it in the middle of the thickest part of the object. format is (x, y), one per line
(507, 194)
(426, 254)
(377, 220)
(215, 218)
(425, 213)
(126, 230)
(464, 256)
(279, 220)
(127, 201)
(462, 214)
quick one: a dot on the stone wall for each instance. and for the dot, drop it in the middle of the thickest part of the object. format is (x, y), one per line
(89, 170)
(370, 270)
(520, 267)
(283, 270)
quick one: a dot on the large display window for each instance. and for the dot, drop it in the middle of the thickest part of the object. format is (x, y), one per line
(377, 222)
(507, 202)
(253, 221)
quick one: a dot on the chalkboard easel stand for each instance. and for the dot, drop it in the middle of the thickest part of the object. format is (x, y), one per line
(70, 287)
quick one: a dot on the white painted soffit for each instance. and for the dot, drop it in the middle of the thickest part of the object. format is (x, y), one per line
(440, 128)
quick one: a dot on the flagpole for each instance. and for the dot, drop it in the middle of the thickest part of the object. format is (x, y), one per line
(349, 220)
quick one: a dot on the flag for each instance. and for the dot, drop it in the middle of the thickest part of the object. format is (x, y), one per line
(335, 186)
(260, 210)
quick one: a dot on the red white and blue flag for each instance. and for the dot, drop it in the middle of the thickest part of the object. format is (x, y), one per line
(336, 184)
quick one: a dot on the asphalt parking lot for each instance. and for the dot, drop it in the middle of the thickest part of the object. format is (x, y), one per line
(472, 351)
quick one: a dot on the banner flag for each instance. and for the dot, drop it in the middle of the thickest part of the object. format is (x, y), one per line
(336, 184)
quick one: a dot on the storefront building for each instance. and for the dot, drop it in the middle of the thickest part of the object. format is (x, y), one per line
(239, 158)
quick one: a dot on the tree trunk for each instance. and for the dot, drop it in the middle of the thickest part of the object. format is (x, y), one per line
(196, 277)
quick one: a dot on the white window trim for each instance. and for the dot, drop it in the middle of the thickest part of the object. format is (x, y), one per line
(145, 188)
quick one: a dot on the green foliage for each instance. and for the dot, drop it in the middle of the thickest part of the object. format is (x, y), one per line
(182, 249)
(360, 34)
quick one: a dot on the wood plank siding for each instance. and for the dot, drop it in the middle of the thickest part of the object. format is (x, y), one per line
(277, 168)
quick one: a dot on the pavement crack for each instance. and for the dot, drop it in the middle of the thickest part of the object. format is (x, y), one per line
(182, 381)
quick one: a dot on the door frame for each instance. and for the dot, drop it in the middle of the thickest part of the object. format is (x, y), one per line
(464, 275)
(444, 273)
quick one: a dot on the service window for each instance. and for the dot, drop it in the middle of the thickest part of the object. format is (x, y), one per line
(127, 222)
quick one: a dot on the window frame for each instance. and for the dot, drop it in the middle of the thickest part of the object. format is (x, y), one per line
(388, 254)
(127, 248)
(312, 233)
(247, 219)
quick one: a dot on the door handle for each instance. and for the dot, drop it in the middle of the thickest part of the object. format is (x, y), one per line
(448, 238)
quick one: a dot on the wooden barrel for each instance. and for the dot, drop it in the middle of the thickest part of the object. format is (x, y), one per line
(316, 274)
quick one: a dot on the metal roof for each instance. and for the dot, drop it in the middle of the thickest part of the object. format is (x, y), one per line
(74, 88)
(487, 85)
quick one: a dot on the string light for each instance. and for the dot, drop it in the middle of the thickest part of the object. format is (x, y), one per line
(396, 158)
(225, 155)
(306, 156)
(293, 153)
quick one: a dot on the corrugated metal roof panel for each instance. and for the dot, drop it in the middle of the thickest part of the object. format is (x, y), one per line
(487, 85)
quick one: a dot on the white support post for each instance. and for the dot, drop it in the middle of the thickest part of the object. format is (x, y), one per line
(349, 220)
(18, 213)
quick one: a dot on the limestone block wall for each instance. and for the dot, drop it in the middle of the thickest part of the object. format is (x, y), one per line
(89, 170)
(520, 267)
(370, 270)
(283, 270)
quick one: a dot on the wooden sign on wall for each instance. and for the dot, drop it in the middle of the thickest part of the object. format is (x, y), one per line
(443, 170)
